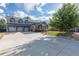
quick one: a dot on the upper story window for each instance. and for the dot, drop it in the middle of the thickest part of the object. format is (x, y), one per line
(12, 20)
(20, 21)
(26, 21)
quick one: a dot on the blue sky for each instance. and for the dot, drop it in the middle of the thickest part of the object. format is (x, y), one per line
(37, 11)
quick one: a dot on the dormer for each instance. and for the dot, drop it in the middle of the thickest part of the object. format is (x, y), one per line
(20, 21)
(12, 20)
(26, 21)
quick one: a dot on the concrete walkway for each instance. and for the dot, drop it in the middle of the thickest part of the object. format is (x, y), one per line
(36, 44)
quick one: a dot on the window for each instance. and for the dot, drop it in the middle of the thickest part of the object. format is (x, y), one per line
(26, 21)
(20, 21)
(12, 20)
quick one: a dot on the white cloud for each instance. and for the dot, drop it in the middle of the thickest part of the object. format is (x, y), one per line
(43, 18)
(51, 12)
(2, 16)
(1, 11)
(59, 6)
(29, 6)
(32, 17)
(20, 14)
(3, 5)
(42, 4)
(39, 8)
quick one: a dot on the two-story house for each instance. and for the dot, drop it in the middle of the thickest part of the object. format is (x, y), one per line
(16, 24)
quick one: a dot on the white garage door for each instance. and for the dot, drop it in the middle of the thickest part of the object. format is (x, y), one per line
(20, 29)
(26, 29)
(12, 29)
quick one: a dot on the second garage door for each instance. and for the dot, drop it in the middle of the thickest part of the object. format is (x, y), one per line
(26, 29)
(20, 29)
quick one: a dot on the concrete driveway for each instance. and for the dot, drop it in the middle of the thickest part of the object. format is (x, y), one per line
(36, 44)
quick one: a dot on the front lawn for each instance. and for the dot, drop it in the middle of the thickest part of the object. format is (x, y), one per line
(58, 33)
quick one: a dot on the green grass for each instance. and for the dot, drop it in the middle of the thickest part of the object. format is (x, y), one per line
(58, 33)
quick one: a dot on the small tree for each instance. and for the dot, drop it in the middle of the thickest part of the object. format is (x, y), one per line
(65, 18)
(2, 24)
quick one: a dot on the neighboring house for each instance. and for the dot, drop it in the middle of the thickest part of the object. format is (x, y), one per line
(16, 24)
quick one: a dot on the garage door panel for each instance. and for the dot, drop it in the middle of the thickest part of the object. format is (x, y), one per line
(26, 29)
(20, 29)
(12, 29)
